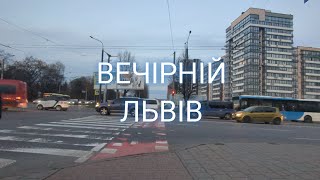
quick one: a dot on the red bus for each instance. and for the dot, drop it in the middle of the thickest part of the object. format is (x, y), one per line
(13, 94)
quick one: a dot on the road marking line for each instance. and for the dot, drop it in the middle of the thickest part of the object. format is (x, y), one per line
(100, 121)
(134, 142)
(94, 125)
(108, 150)
(91, 153)
(310, 139)
(79, 136)
(117, 144)
(274, 129)
(94, 122)
(67, 130)
(49, 151)
(43, 141)
(99, 147)
(6, 162)
(83, 127)
(161, 142)
(161, 148)
(84, 157)
(100, 118)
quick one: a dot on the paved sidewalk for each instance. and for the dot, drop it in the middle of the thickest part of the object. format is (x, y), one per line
(252, 161)
(152, 166)
(256, 161)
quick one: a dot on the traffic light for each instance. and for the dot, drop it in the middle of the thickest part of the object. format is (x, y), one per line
(173, 92)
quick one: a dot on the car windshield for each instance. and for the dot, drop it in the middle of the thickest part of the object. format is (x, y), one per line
(249, 109)
(151, 102)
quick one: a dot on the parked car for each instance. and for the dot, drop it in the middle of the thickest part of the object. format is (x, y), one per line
(264, 114)
(221, 109)
(51, 102)
(36, 101)
(81, 101)
(152, 104)
(168, 115)
(88, 102)
(73, 101)
(118, 106)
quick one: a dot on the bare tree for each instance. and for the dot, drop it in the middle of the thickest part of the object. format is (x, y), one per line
(126, 56)
(186, 88)
(39, 76)
(4, 58)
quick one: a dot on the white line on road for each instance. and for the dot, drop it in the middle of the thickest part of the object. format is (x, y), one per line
(80, 136)
(68, 130)
(91, 153)
(6, 162)
(95, 125)
(108, 150)
(100, 118)
(84, 157)
(310, 139)
(95, 122)
(83, 127)
(98, 147)
(44, 141)
(49, 151)
(274, 129)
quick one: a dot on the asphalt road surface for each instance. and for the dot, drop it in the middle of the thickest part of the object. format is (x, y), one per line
(35, 143)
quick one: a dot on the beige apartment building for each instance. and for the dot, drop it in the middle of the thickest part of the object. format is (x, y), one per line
(259, 46)
(308, 72)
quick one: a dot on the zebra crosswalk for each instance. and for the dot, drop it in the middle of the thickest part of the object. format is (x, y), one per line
(78, 137)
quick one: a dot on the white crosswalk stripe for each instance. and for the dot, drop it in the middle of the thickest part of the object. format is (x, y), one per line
(77, 137)
(6, 162)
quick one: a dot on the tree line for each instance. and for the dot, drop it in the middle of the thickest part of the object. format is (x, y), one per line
(42, 77)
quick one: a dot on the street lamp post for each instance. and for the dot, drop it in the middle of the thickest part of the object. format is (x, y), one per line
(187, 55)
(106, 88)
(99, 100)
(187, 48)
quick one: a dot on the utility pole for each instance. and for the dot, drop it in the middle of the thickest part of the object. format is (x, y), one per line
(2, 68)
(99, 98)
(173, 77)
(106, 88)
(187, 60)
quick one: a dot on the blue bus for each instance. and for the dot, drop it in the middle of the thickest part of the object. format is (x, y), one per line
(306, 110)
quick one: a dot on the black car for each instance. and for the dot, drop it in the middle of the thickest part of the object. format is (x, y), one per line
(118, 106)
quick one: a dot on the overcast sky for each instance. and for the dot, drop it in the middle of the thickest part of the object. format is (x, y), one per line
(142, 23)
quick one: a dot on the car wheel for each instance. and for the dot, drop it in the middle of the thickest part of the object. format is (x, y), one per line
(227, 116)
(64, 109)
(307, 119)
(246, 119)
(276, 121)
(40, 107)
(58, 108)
(103, 111)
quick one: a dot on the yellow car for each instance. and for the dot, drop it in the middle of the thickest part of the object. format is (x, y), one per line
(264, 114)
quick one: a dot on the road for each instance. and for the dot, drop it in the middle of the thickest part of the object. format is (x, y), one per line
(35, 143)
